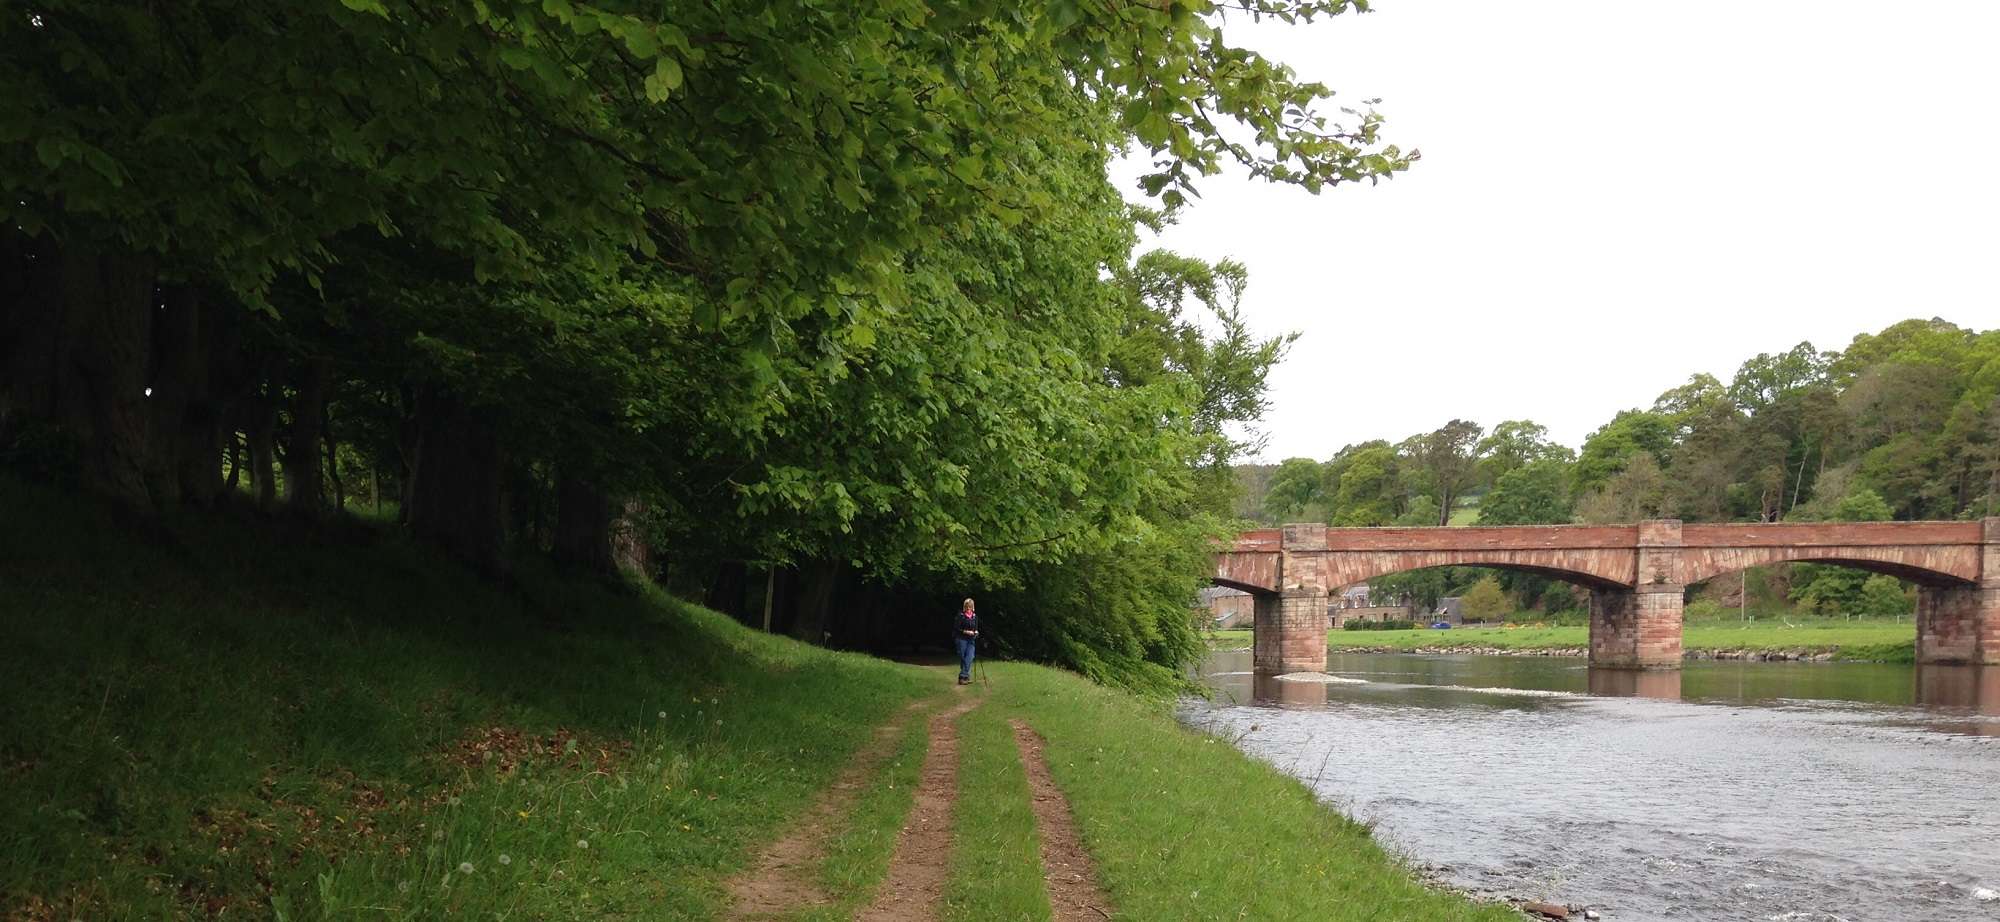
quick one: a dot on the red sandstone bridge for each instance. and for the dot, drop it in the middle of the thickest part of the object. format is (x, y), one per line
(1636, 575)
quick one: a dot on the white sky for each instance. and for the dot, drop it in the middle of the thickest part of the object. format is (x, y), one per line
(1613, 196)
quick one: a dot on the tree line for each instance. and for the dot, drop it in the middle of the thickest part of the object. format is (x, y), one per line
(1903, 423)
(819, 312)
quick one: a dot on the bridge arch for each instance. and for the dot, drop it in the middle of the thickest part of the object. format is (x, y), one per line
(1598, 573)
(1700, 565)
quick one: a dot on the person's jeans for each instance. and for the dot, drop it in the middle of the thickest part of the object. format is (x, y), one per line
(965, 647)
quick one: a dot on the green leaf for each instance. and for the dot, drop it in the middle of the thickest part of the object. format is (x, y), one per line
(640, 38)
(50, 151)
(665, 78)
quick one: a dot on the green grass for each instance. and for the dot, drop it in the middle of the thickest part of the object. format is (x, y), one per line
(238, 718)
(1183, 826)
(996, 855)
(218, 717)
(1892, 641)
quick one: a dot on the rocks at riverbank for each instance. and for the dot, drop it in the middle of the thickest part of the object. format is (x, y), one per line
(1769, 656)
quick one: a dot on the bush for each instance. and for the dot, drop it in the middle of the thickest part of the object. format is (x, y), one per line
(1703, 610)
(1486, 600)
(1393, 625)
(1883, 595)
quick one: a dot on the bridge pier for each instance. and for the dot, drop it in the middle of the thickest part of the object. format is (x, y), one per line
(1958, 624)
(1635, 630)
(1961, 624)
(1290, 631)
(1640, 628)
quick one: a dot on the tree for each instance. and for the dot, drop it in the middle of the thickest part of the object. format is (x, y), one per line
(768, 165)
(1536, 494)
(1444, 463)
(1369, 490)
(1485, 601)
(1422, 510)
(1883, 596)
(1863, 506)
(1635, 493)
(1294, 487)
(1515, 444)
(1608, 450)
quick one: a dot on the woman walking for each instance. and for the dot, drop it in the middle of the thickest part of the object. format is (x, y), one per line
(968, 638)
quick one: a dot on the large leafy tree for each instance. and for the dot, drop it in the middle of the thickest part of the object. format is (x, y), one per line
(1445, 463)
(776, 161)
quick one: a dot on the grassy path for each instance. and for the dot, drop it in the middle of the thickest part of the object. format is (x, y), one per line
(996, 863)
(1071, 875)
(818, 866)
(914, 889)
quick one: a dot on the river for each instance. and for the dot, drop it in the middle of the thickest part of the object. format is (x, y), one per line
(1788, 792)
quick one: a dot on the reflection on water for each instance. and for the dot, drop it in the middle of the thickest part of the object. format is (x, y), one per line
(1724, 790)
(1636, 683)
(1960, 688)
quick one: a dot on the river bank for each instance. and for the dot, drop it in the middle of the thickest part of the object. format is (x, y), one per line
(1810, 641)
(229, 718)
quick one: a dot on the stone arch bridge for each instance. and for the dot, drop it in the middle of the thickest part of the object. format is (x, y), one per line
(1636, 575)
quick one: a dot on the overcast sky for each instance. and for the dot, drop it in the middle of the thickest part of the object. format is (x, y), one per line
(1613, 196)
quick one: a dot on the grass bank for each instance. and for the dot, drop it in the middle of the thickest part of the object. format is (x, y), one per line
(230, 719)
(213, 719)
(1876, 640)
(1184, 826)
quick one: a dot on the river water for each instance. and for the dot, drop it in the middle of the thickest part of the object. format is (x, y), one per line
(1801, 792)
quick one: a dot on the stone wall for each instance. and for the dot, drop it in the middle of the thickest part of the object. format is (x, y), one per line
(1337, 616)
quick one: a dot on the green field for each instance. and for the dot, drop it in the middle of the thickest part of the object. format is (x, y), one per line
(242, 720)
(1892, 641)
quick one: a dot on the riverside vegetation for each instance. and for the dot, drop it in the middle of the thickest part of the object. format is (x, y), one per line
(211, 717)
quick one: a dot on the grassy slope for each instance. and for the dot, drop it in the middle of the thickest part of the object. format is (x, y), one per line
(216, 718)
(205, 719)
(1875, 640)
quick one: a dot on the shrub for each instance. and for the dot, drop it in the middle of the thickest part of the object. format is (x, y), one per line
(1486, 600)
(1703, 610)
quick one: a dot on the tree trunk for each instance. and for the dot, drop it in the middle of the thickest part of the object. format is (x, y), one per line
(332, 447)
(815, 599)
(107, 314)
(34, 349)
(187, 413)
(629, 550)
(261, 432)
(455, 487)
(583, 525)
(305, 486)
(235, 463)
(725, 591)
